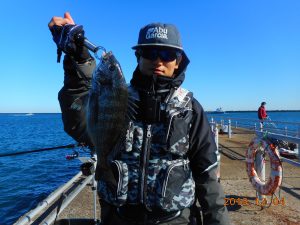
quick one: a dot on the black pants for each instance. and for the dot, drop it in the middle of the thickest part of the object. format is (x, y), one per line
(109, 216)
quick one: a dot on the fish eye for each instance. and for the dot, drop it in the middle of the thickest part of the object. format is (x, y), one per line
(111, 67)
(105, 57)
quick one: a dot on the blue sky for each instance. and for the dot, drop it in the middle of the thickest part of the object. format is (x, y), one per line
(241, 52)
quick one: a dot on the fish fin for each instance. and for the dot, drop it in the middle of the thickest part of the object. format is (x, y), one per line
(132, 108)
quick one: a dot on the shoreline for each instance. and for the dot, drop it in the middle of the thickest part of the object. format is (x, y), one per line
(208, 111)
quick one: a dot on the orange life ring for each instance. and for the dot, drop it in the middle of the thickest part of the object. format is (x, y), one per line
(275, 178)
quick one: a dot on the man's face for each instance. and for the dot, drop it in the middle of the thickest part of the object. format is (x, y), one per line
(159, 61)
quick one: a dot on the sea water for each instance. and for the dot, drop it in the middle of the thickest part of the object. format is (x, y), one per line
(27, 179)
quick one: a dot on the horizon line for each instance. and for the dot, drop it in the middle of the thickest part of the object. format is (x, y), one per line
(247, 110)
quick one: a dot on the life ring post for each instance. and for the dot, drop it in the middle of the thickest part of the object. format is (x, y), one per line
(260, 166)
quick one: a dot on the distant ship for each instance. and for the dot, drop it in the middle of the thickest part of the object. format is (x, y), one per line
(219, 111)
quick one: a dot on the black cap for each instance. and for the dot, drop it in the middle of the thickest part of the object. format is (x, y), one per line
(159, 34)
(263, 103)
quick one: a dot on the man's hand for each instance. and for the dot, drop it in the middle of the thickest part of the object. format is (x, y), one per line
(61, 21)
(64, 31)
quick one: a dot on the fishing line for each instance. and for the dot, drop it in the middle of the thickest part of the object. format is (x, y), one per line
(38, 150)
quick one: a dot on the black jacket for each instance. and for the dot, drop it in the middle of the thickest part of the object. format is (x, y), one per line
(202, 154)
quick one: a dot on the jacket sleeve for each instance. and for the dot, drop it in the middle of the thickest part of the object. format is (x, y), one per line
(73, 98)
(203, 158)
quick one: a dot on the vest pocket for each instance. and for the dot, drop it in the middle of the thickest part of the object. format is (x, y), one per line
(116, 195)
(177, 187)
(178, 131)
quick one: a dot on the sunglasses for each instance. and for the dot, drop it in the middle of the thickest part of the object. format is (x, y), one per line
(166, 55)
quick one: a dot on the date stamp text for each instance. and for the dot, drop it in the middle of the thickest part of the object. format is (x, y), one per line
(245, 201)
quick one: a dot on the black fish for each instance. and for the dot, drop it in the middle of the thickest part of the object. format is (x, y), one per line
(108, 108)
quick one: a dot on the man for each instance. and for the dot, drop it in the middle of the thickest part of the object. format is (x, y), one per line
(169, 156)
(262, 113)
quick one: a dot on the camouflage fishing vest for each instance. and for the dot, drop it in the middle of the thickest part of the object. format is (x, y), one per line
(152, 167)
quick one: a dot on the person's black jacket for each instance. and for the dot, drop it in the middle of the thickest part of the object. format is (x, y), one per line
(202, 154)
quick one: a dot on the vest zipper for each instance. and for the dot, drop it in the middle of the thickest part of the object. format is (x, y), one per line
(144, 165)
(170, 122)
(120, 171)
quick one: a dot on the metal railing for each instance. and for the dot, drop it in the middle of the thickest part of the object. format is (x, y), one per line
(295, 140)
(280, 130)
(31, 216)
(278, 127)
(51, 218)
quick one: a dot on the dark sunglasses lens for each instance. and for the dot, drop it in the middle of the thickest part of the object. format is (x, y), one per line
(167, 56)
(164, 55)
(149, 54)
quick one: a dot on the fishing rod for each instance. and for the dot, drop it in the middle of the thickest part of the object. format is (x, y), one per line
(271, 122)
(39, 150)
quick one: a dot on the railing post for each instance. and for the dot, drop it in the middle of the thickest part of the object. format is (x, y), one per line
(261, 127)
(255, 126)
(216, 134)
(298, 152)
(298, 143)
(286, 132)
(235, 124)
(229, 128)
(212, 124)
